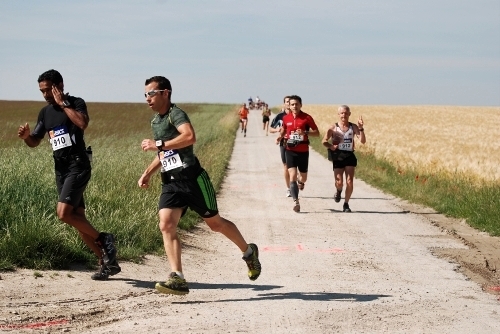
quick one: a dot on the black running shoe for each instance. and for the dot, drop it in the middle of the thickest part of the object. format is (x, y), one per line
(106, 242)
(174, 286)
(296, 205)
(106, 270)
(346, 208)
(253, 263)
(337, 196)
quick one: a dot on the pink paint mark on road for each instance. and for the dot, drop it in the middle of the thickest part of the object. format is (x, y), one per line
(494, 288)
(35, 325)
(300, 247)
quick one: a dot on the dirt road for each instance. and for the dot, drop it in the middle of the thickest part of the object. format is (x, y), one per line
(324, 271)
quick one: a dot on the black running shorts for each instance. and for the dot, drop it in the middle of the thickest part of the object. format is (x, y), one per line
(196, 193)
(345, 159)
(72, 177)
(297, 159)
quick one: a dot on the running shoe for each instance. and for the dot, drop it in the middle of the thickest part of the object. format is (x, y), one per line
(106, 270)
(296, 206)
(346, 208)
(288, 193)
(106, 242)
(301, 185)
(174, 286)
(253, 263)
(337, 196)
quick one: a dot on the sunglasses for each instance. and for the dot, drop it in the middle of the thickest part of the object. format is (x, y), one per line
(152, 93)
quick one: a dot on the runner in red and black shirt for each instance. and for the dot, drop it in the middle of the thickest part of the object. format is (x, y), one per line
(297, 127)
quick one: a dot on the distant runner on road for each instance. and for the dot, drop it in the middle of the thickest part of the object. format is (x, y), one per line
(266, 113)
(341, 152)
(297, 127)
(184, 184)
(243, 112)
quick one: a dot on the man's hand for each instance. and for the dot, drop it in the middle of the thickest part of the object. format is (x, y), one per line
(24, 131)
(59, 97)
(143, 181)
(149, 145)
(360, 122)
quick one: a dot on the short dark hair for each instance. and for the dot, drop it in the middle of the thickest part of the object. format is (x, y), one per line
(286, 97)
(52, 76)
(163, 83)
(296, 97)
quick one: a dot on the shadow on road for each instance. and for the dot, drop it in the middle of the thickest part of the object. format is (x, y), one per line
(202, 286)
(379, 212)
(306, 296)
(208, 286)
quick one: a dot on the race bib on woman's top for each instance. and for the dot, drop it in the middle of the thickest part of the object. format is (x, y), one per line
(59, 138)
(169, 159)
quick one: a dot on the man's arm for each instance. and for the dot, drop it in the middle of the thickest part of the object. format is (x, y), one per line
(146, 176)
(325, 141)
(185, 138)
(24, 133)
(313, 128)
(80, 119)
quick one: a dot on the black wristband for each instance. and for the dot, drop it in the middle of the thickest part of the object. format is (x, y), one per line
(361, 129)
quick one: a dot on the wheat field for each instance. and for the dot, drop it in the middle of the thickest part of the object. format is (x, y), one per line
(450, 139)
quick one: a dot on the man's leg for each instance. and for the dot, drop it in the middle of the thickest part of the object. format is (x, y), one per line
(294, 189)
(230, 231)
(338, 173)
(339, 178)
(349, 177)
(88, 239)
(88, 233)
(287, 175)
(285, 170)
(176, 283)
(67, 214)
(169, 218)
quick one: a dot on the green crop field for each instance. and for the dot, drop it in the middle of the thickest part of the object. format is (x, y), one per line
(31, 234)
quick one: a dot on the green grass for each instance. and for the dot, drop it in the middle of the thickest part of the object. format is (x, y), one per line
(31, 235)
(452, 194)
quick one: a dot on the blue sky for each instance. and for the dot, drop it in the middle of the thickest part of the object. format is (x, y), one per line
(396, 52)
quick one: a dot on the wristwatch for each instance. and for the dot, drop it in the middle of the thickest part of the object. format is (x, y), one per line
(66, 104)
(159, 144)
